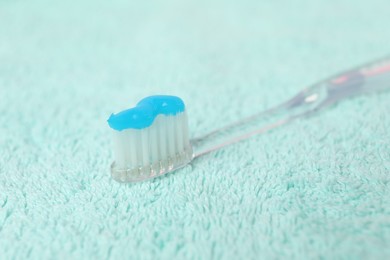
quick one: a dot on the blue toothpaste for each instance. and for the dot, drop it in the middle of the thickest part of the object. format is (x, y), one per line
(144, 113)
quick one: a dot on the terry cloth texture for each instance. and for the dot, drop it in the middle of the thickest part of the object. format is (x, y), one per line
(317, 188)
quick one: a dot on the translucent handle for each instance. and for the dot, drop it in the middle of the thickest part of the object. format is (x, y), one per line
(368, 78)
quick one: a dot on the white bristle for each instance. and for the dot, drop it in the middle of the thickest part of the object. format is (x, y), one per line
(152, 151)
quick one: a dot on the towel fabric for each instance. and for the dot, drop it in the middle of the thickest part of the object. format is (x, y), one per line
(316, 188)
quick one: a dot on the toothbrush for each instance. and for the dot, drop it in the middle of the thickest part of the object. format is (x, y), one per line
(152, 138)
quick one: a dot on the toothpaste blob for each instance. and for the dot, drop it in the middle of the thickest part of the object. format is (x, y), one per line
(145, 112)
(150, 139)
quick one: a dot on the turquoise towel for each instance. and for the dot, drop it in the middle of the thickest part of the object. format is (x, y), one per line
(317, 188)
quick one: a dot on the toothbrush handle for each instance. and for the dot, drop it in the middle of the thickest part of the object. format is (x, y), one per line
(368, 78)
(371, 77)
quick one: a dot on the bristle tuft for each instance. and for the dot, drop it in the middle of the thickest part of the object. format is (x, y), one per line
(150, 152)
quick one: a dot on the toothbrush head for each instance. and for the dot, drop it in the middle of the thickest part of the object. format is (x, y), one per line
(150, 139)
